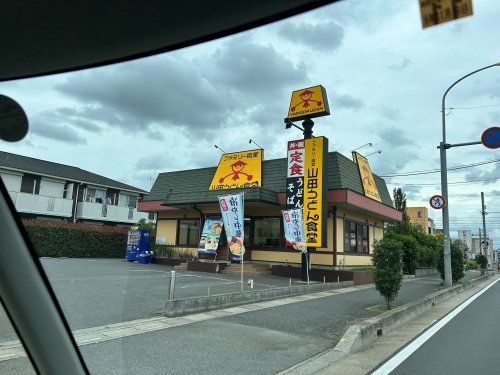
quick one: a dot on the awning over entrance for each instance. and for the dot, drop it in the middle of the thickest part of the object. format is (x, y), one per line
(197, 197)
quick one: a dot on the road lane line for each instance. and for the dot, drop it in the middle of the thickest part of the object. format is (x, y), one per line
(400, 357)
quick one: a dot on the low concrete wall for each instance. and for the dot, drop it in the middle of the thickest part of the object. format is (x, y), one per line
(360, 335)
(320, 274)
(192, 305)
(426, 272)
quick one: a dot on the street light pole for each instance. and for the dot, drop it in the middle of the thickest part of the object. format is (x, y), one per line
(443, 146)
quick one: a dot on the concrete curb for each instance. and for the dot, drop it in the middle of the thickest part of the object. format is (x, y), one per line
(360, 335)
(185, 306)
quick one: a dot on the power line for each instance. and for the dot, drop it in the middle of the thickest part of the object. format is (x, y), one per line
(480, 106)
(449, 183)
(429, 171)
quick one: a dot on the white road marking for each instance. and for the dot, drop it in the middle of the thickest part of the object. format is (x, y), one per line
(400, 357)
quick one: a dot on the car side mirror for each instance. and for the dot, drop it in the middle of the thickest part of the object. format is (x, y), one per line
(13, 120)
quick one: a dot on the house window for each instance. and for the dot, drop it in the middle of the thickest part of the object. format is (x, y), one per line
(151, 216)
(95, 195)
(189, 232)
(419, 214)
(267, 232)
(356, 238)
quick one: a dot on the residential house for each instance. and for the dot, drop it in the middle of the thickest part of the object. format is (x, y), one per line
(45, 190)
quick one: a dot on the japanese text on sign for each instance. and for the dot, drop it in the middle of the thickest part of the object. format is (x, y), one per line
(238, 170)
(293, 223)
(233, 217)
(314, 191)
(367, 180)
(295, 174)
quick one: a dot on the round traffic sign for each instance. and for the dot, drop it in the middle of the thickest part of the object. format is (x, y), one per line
(437, 202)
(491, 137)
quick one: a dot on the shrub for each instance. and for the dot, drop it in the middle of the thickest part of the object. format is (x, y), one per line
(426, 256)
(410, 252)
(164, 251)
(482, 261)
(387, 262)
(471, 264)
(76, 242)
(457, 263)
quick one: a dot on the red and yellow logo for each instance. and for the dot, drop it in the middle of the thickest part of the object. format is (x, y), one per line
(308, 103)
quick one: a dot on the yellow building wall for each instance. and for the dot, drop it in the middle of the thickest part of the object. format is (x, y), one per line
(353, 260)
(167, 229)
(413, 214)
(276, 256)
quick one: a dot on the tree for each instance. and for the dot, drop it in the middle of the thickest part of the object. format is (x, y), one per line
(457, 263)
(482, 261)
(387, 262)
(400, 203)
(410, 251)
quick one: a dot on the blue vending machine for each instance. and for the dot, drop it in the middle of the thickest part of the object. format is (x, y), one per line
(137, 243)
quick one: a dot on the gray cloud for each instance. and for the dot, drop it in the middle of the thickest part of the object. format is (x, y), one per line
(348, 102)
(325, 36)
(400, 65)
(197, 97)
(390, 113)
(55, 131)
(394, 137)
(479, 174)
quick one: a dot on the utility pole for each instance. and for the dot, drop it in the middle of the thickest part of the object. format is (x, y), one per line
(443, 146)
(480, 246)
(483, 212)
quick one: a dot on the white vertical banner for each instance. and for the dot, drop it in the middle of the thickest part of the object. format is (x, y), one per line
(232, 211)
(293, 225)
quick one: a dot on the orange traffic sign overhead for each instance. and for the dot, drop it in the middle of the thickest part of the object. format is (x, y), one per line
(434, 12)
(308, 103)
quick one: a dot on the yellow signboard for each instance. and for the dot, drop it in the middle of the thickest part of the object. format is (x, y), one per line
(315, 189)
(434, 12)
(238, 170)
(308, 103)
(366, 175)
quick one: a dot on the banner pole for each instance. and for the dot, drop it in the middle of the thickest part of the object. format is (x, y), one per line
(243, 237)
(307, 261)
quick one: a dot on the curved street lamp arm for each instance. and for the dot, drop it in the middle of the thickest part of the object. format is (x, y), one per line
(453, 84)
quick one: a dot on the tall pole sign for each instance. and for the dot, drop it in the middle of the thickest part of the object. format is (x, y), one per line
(307, 182)
(315, 195)
(295, 174)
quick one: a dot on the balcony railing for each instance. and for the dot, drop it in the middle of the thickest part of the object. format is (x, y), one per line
(107, 212)
(41, 204)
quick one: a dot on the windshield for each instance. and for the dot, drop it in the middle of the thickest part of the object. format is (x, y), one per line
(220, 208)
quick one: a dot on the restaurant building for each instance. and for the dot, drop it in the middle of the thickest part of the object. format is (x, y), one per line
(182, 201)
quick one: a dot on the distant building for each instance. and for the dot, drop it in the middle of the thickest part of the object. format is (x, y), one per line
(476, 246)
(419, 217)
(45, 190)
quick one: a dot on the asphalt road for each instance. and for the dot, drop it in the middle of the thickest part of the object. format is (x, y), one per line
(95, 292)
(467, 344)
(258, 342)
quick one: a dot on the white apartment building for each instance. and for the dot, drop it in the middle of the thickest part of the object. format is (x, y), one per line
(45, 190)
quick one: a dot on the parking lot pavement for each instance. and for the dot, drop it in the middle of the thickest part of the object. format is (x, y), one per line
(254, 342)
(95, 292)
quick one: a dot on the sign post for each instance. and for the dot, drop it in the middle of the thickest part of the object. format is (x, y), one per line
(306, 104)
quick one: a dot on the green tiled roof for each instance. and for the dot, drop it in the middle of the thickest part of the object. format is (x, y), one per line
(191, 186)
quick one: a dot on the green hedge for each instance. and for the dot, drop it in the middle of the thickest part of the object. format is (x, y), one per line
(76, 242)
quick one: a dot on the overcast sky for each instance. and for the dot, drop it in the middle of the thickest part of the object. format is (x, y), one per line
(384, 77)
